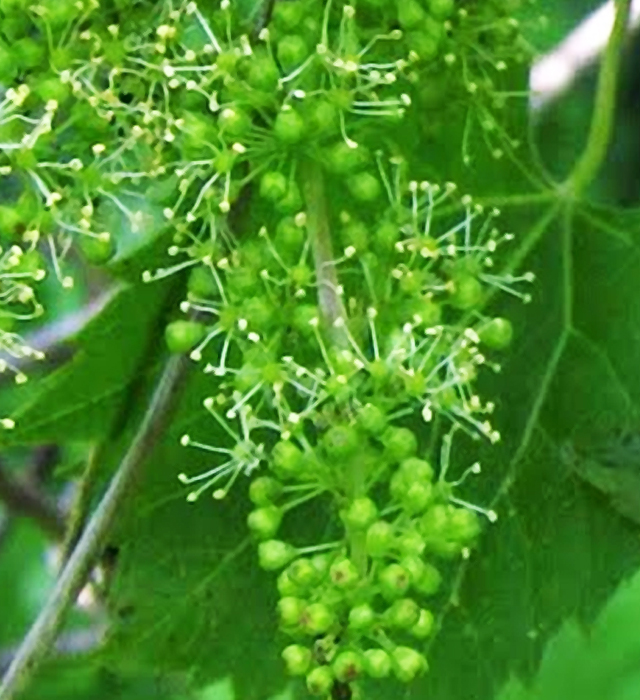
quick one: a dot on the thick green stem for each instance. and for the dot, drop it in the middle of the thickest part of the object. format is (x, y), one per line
(44, 631)
(590, 162)
(333, 314)
(329, 298)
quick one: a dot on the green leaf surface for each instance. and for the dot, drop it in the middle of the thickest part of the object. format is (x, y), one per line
(113, 352)
(592, 663)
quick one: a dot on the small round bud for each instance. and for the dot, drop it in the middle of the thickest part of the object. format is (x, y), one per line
(234, 122)
(407, 663)
(343, 573)
(394, 581)
(429, 582)
(275, 554)
(362, 618)
(290, 610)
(320, 681)
(273, 186)
(264, 522)
(181, 336)
(341, 441)
(403, 614)
(380, 536)
(399, 443)
(497, 334)
(377, 663)
(292, 51)
(463, 525)
(264, 490)
(286, 587)
(289, 127)
(287, 459)
(424, 626)
(441, 9)
(411, 543)
(361, 513)
(410, 14)
(202, 284)
(348, 666)
(297, 658)
(303, 573)
(364, 187)
(467, 292)
(316, 619)
(372, 419)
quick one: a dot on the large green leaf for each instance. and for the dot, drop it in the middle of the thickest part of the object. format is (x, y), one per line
(592, 663)
(113, 354)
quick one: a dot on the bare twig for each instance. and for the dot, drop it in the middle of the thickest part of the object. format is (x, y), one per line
(25, 499)
(43, 633)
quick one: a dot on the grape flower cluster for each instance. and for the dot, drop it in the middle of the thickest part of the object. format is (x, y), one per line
(336, 302)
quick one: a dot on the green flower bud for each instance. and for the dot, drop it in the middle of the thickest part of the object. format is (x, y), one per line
(303, 573)
(297, 658)
(348, 666)
(264, 522)
(289, 127)
(498, 333)
(287, 459)
(234, 122)
(181, 336)
(467, 292)
(97, 250)
(410, 14)
(342, 160)
(411, 543)
(407, 663)
(344, 573)
(290, 611)
(341, 441)
(441, 9)
(362, 617)
(286, 587)
(377, 663)
(394, 581)
(202, 284)
(380, 536)
(372, 419)
(424, 626)
(316, 619)
(399, 443)
(403, 614)
(463, 525)
(365, 187)
(429, 582)
(320, 681)
(273, 186)
(275, 554)
(292, 50)
(264, 490)
(360, 514)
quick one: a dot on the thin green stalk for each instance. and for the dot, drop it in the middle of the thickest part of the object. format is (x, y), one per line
(590, 162)
(44, 631)
(329, 299)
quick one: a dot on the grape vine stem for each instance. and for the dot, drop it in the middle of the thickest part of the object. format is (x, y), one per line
(45, 629)
(601, 128)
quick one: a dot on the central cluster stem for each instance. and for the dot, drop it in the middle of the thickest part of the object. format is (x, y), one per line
(332, 313)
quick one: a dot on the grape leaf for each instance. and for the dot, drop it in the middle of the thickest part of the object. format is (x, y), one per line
(594, 663)
(115, 349)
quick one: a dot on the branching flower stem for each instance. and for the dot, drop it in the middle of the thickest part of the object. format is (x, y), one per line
(601, 128)
(44, 631)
